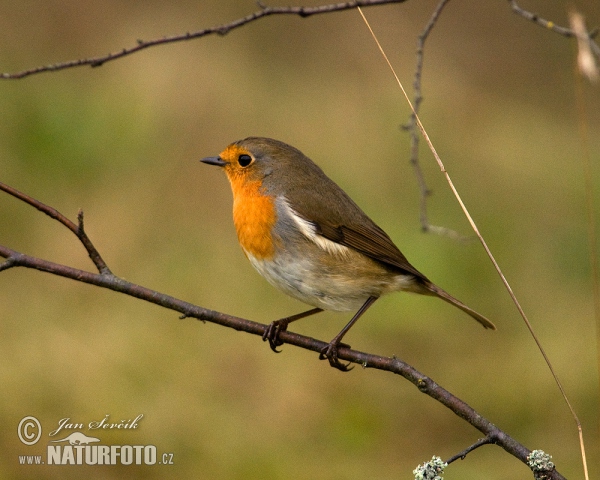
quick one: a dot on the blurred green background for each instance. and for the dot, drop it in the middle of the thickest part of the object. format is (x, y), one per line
(123, 141)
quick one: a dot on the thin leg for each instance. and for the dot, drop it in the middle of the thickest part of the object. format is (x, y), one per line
(330, 351)
(272, 332)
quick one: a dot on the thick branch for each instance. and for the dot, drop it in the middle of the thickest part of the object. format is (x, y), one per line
(264, 11)
(106, 279)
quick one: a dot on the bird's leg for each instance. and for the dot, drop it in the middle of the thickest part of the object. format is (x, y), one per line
(330, 351)
(272, 332)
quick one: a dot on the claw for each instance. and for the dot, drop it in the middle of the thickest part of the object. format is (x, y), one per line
(272, 334)
(330, 352)
(275, 328)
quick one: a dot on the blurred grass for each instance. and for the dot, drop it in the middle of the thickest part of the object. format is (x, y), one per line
(123, 142)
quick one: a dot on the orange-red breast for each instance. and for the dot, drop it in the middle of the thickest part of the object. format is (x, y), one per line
(307, 237)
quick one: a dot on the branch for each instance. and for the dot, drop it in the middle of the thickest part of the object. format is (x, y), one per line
(412, 124)
(564, 31)
(78, 229)
(479, 443)
(106, 279)
(264, 11)
(411, 127)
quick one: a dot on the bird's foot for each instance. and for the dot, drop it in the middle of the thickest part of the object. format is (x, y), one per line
(272, 334)
(275, 328)
(330, 352)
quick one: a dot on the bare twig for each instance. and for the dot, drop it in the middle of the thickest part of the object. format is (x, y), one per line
(110, 281)
(264, 11)
(466, 451)
(411, 127)
(550, 25)
(77, 229)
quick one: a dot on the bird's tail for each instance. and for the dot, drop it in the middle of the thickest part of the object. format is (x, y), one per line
(438, 292)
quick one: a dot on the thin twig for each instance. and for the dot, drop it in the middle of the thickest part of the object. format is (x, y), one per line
(77, 229)
(264, 11)
(464, 453)
(550, 25)
(424, 190)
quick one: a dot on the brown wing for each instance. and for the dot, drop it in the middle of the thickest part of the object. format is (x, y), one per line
(370, 240)
(320, 201)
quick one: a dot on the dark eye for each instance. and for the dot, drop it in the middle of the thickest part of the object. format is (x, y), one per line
(244, 160)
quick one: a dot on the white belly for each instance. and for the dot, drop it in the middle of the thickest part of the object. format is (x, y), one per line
(327, 290)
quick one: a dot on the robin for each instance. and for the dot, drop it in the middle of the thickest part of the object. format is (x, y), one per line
(307, 237)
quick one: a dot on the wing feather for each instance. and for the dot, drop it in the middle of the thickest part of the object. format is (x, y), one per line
(371, 241)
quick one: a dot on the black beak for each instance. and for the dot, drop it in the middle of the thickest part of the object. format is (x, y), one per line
(214, 161)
